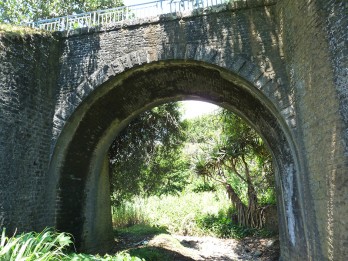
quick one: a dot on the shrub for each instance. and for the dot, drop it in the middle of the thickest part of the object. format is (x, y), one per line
(47, 245)
(204, 187)
(222, 226)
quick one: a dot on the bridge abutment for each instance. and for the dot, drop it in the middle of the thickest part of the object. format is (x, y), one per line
(97, 234)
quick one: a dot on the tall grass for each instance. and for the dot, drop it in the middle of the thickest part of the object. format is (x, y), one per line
(177, 213)
(128, 214)
(190, 213)
(48, 245)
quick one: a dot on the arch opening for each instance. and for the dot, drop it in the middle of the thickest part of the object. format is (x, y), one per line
(188, 167)
(79, 158)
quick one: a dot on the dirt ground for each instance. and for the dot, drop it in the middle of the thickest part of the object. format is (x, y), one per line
(182, 248)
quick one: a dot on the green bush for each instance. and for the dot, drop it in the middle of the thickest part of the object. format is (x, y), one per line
(204, 187)
(222, 226)
(268, 197)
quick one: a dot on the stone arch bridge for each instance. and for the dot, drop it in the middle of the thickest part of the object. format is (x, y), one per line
(281, 65)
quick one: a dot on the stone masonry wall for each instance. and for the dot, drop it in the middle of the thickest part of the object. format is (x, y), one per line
(314, 37)
(244, 33)
(27, 98)
(242, 38)
(304, 56)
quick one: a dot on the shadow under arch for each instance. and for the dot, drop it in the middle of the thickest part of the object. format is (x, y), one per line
(79, 158)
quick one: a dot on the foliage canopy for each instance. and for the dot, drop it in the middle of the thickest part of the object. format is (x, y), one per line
(23, 11)
(146, 157)
(240, 161)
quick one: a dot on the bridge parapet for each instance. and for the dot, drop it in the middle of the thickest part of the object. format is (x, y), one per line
(123, 13)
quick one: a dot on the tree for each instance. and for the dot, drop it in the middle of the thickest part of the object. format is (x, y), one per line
(146, 157)
(23, 11)
(241, 163)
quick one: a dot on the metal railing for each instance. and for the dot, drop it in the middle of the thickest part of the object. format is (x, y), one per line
(113, 15)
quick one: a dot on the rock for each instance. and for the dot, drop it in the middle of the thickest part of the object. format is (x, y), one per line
(270, 243)
(257, 253)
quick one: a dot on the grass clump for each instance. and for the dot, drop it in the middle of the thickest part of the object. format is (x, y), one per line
(16, 31)
(48, 245)
(128, 214)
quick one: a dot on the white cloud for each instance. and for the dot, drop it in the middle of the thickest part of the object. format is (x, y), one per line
(193, 109)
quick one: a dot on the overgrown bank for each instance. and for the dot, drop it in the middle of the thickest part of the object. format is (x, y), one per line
(190, 213)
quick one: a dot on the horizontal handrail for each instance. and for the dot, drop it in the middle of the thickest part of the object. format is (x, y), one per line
(118, 14)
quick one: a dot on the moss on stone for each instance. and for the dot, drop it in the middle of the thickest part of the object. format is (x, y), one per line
(16, 31)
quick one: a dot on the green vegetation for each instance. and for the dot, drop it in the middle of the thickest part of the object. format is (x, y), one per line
(220, 157)
(190, 213)
(15, 31)
(207, 176)
(177, 214)
(222, 226)
(146, 157)
(238, 160)
(23, 11)
(46, 246)
(127, 214)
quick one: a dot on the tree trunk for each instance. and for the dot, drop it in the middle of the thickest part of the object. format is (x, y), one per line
(249, 216)
(254, 216)
(241, 208)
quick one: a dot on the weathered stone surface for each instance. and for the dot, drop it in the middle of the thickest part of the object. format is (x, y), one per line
(313, 37)
(28, 73)
(282, 65)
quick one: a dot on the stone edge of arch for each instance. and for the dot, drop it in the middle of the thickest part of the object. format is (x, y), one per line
(237, 64)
